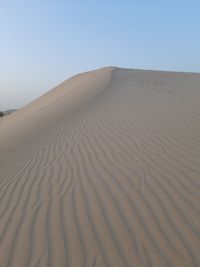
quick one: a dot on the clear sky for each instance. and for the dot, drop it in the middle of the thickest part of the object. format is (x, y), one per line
(43, 42)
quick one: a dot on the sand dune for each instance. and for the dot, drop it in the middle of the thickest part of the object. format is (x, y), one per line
(104, 170)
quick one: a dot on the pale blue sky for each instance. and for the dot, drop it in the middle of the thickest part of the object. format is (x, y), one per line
(43, 42)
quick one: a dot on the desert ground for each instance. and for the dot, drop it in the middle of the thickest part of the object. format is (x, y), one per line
(103, 170)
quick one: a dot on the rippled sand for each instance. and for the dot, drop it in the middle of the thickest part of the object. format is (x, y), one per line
(104, 170)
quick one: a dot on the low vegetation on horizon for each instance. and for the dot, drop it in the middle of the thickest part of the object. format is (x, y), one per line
(7, 112)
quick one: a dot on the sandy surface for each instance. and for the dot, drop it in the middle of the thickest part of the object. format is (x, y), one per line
(104, 170)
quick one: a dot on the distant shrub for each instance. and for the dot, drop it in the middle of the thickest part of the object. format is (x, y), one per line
(1, 114)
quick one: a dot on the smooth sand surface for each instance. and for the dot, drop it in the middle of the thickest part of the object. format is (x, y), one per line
(104, 170)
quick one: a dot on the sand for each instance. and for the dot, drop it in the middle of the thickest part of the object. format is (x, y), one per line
(103, 170)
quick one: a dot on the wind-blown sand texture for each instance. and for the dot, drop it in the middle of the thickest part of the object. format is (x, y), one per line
(104, 170)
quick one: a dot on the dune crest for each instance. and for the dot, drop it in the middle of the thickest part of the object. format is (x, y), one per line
(103, 170)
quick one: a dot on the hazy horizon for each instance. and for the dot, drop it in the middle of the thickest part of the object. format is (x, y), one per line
(45, 43)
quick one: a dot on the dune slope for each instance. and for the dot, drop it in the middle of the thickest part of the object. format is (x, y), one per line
(103, 170)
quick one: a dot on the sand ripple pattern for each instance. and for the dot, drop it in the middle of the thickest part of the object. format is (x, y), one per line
(104, 170)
